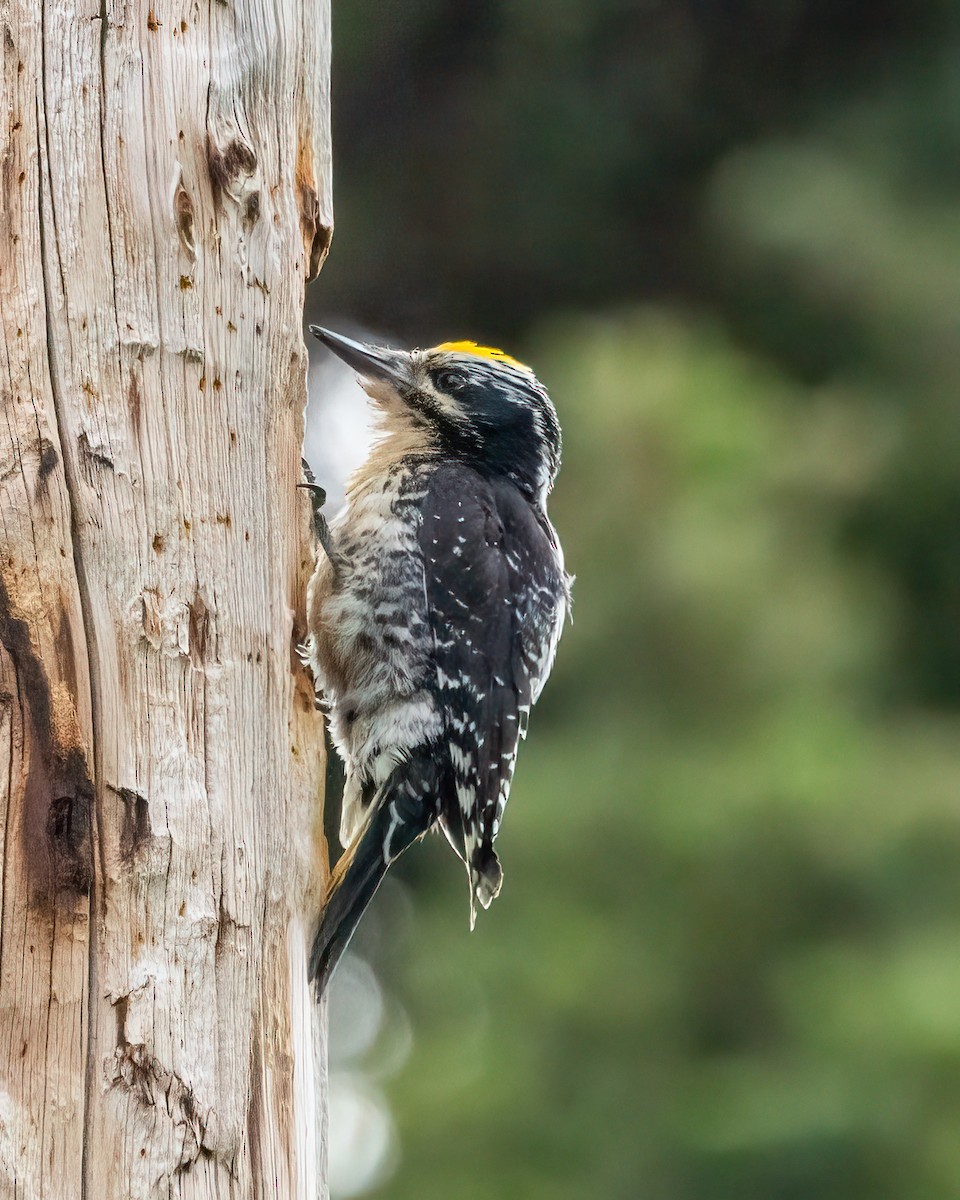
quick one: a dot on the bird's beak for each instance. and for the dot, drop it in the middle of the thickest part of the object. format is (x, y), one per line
(372, 362)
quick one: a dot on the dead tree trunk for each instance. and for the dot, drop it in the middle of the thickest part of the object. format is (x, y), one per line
(165, 195)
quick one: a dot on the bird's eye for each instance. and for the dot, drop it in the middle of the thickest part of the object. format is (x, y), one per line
(451, 381)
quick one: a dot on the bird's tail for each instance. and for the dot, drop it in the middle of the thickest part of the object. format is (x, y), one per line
(405, 811)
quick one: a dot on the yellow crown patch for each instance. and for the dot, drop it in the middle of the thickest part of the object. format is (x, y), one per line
(482, 352)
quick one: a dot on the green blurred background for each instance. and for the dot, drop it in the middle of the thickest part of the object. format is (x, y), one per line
(726, 233)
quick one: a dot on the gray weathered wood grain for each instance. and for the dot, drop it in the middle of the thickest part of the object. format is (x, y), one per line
(164, 196)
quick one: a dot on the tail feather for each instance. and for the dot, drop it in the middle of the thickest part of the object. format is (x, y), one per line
(403, 814)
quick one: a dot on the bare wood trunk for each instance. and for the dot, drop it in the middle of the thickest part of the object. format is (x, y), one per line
(164, 195)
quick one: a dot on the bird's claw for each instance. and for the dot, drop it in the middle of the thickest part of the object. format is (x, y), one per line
(318, 498)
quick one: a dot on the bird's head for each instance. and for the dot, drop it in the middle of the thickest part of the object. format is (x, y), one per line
(470, 402)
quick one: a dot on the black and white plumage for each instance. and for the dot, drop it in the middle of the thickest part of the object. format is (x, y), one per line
(434, 614)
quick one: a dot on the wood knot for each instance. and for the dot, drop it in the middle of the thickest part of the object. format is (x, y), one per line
(199, 630)
(48, 458)
(68, 836)
(183, 214)
(251, 208)
(135, 830)
(93, 459)
(230, 169)
(165, 623)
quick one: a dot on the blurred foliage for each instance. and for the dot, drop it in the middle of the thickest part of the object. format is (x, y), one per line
(724, 962)
(498, 158)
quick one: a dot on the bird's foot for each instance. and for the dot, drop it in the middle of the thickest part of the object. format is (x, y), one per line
(318, 498)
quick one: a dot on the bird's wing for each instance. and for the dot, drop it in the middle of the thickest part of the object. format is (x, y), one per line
(495, 593)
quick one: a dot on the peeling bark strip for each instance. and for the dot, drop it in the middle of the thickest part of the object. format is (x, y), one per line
(164, 195)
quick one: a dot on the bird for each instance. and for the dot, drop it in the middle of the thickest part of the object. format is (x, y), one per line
(433, 613)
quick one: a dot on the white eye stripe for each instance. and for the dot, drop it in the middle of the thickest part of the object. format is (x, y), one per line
(449, 407)
(445, 405)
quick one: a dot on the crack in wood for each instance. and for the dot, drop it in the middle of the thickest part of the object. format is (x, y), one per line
(317, 235)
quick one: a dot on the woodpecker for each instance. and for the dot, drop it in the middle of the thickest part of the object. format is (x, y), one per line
(434, 613)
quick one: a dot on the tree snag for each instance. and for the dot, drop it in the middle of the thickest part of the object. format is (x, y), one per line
(165, 196)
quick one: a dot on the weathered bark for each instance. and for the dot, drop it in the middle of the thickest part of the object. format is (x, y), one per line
(165, 194)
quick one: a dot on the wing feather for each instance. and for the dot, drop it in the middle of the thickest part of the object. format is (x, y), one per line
(496, 594)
